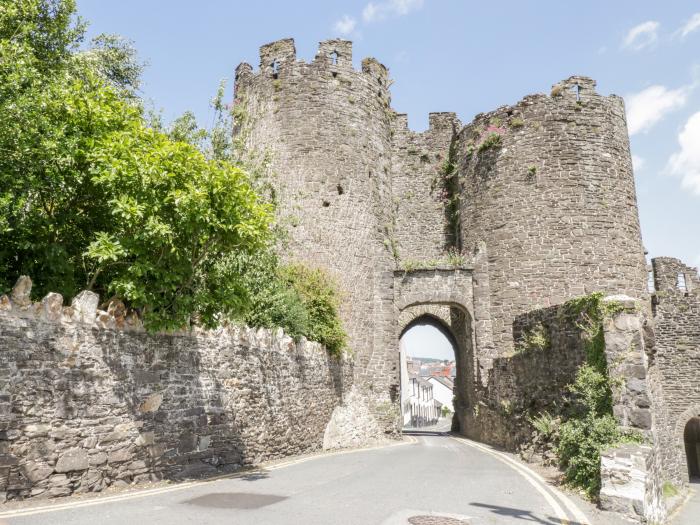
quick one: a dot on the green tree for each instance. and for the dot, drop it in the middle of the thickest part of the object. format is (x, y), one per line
(95, 195)
(93, 198)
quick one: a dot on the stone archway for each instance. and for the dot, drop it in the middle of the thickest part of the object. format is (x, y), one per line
(455, 322)
(442, 389)
(691, 440)
(445, 296)
(678, 459)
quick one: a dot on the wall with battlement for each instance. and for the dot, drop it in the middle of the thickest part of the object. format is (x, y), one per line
(541, 200)
(675, 361)
(90, 400)
(326, 128)
(422, 228)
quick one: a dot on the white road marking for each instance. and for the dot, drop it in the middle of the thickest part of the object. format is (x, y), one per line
(537, 482)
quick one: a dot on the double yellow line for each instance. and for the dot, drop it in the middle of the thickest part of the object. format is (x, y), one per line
(536, 481)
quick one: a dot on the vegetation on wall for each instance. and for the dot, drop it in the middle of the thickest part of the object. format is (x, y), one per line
(587, 426)
(536, 338)
(96, 194)
(451, 259)
(450, 195)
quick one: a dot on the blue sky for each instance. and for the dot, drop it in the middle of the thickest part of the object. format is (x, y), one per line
(462, 56)
(427, 341)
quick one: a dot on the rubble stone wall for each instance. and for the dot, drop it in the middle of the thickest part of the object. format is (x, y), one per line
(85, 404)
(675, 362)
(547, 185)
(525, 382)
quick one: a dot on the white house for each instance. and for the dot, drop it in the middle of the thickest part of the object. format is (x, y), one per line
(418, 406)
(443, 391)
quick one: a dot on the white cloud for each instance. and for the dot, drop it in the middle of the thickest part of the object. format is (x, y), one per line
(649, 106)
(638, 163)
(685, 163)
(374, 12)
(641, 36)
(693, 24)
(345, 25)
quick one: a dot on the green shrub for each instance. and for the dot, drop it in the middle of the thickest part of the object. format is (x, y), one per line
(302, 301)
(669, 489)
(580, 444)
(545, 424)
(536, 338)
(320, 298)
(493, 140)
(590, 427)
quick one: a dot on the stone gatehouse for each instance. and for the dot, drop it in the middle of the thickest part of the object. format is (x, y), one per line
(482, 229)
(523, 208)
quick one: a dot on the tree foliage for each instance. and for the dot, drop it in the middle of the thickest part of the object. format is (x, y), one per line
(94, 195)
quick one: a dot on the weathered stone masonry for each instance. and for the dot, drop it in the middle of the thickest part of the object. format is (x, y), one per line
(539, 200)
(85, 403)
(546, 214)
(675, 361)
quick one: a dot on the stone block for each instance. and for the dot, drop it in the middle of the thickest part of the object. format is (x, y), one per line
(72, 459)
(21, 292)
(120, 455)
(84, 306)
(52, 307)
(5, 304)
(36, 471)
(100, 458)
(145, 439)
(151, 403)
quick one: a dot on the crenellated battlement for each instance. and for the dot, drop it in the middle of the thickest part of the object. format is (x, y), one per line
(277, 53)
(335, 55)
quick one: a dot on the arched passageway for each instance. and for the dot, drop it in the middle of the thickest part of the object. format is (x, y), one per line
(428, 354)
(691, 437)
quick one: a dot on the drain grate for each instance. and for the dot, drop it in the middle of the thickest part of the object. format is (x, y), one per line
(436, 520)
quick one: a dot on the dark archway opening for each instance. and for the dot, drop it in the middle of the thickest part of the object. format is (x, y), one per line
(428, 375)
(691, 437)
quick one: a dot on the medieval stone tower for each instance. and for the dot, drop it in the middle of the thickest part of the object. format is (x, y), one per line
(523, 208)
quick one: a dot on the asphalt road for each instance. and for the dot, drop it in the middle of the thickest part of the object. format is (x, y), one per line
(453, 481)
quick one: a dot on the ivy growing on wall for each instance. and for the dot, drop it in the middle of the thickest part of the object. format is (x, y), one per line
(451, 195)
(590, 427)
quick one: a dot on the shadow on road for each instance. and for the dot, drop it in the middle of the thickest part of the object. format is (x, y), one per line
(255, 475)
(234, 500)
(520, 514)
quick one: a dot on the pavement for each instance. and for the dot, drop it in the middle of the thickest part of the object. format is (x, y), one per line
(689, 513)
(431, 478)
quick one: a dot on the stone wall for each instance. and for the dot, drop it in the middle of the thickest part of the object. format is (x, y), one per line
(527, 381)
(88, 400)
(675, 364)
(554, 201)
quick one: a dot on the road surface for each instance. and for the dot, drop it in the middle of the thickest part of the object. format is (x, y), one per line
(430, 479)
